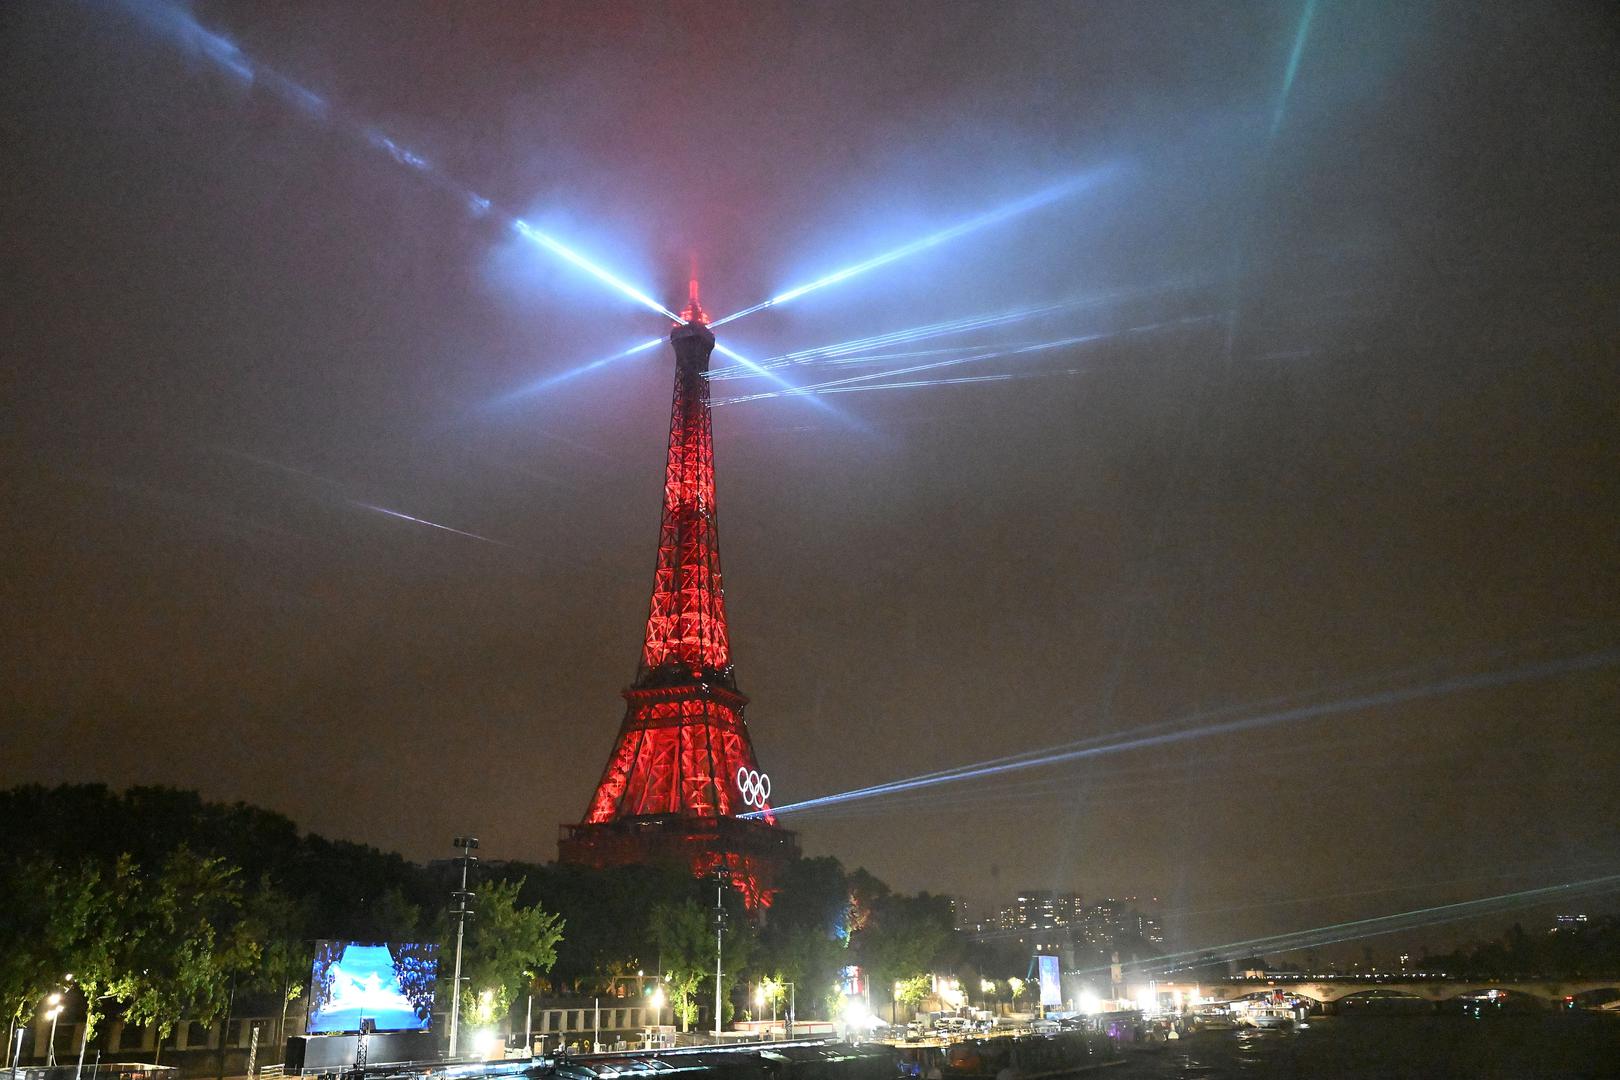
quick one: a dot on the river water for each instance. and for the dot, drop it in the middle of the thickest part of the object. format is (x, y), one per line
(1542, 1046)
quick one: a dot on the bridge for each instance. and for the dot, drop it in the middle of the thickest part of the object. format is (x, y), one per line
(1329, 989)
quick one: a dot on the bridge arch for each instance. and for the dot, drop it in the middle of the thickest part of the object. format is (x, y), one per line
(1435, 988)
(1382, 999)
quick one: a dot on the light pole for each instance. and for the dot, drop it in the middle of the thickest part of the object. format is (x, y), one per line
(719, 943)
(463, 899)
(89, 1015)
(55, 1011)
(657, 1004)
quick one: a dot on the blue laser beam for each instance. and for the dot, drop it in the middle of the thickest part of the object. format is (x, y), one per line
(1126, 741)
(959, 380)
(179, 26)
(828, 353)
(788, 387)
(992, 217)
(943, 328)
(848, 383)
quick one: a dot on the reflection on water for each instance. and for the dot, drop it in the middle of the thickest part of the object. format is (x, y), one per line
(1547, 1046)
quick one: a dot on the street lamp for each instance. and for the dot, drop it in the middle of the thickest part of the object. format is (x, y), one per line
(719, 936)
(657, 1004)
(773, 991)
(55, 1011)
(463, 908)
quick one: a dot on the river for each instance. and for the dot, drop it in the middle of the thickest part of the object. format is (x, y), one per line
(1538, 1046)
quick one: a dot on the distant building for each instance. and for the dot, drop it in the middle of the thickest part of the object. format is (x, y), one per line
(1035, 909)
(1048, 920)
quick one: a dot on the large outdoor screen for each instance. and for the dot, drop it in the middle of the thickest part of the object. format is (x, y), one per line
(1051, 980)
(391, 985)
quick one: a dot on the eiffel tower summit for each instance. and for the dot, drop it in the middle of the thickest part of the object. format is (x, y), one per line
(682, 784)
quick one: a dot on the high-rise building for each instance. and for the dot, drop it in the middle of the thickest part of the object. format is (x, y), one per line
(1035, 909)
(682, 784)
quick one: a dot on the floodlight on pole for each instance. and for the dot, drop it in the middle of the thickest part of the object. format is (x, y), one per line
(657, 1003)
(54, 1013)
(463, 908)
(719, 944)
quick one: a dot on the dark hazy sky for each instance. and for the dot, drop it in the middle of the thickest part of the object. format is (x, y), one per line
(1351, 425)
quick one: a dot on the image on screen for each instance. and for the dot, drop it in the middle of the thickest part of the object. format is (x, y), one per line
(1051, 982)
(390, 985)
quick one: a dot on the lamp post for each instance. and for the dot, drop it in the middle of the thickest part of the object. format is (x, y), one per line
(84, 1041)
(54, 1012)
(719, 944)
(657, 1003)
(463, 898)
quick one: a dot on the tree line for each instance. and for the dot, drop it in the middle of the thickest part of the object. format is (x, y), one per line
(1586, 950)
(163, 906)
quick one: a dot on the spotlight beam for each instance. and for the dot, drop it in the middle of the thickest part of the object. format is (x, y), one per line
(1402, 920)
(429, 524)
(180, 27)
(992, 217)
(568, 254)
(1126, 742)
(551, 381)
(1371, 927)
(1301, 32)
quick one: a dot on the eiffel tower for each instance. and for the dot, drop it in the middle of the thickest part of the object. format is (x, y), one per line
(682, 784)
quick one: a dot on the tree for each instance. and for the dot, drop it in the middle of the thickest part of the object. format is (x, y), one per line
(1015, 986)
(608, 915)
(904, 937)
(507, 945)
(189, 944)
(910, 992)
(60, 919)
(685, 942)
(808, 958)
(30, 946)
(280, 925)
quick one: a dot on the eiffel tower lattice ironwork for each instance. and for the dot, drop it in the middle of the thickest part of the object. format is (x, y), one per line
(683, 768)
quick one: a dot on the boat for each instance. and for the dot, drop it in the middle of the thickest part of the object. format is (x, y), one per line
(1029, 1057)
(1214, 1019)
(1269, 1018)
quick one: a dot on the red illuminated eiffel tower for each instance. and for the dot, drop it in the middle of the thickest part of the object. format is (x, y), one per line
(683, 768)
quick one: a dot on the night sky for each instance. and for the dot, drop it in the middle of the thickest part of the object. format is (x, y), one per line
(1345, 423)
